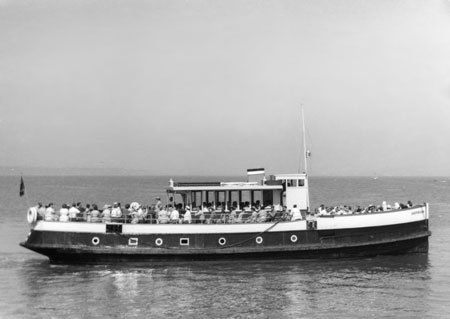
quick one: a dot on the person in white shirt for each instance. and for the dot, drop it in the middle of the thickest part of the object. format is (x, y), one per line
(50, 213)
(116, 212)
(174, 216)
(73, 212)
(296, 214)
(64, 214)
(187, 218)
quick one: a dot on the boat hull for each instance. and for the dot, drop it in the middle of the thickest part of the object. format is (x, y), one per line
(87, 247)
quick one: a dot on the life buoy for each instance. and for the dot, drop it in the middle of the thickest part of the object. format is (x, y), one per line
(32, 215)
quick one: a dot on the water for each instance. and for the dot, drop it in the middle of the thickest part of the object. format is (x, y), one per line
(409, 286)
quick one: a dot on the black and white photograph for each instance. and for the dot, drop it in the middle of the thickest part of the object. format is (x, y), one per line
(224, 159)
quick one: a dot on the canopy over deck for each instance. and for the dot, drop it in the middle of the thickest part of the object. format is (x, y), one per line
(221, 187)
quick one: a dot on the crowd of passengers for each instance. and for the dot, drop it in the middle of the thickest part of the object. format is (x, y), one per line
(206, 213)
(347, 210)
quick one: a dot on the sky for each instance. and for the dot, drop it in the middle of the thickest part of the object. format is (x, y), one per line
(215, 87)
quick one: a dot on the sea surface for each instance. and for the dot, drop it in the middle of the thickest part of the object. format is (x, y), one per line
(407, 286)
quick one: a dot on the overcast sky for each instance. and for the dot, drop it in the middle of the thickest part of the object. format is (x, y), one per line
(215, 87)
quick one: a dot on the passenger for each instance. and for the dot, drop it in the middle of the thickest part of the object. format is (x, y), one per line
(269, 213)
(106, 214)
(322, 210)
(127, 213)
(201, 215)
(233, 215)
(396, 205)
(116, 212)
(262, 216)
(174, 216)
(94, 214)
(41, 211)
(50, 213)
(64, 214)
(187, 218)
(384, 206)
(163, 216)
(409, 204)
(87, 212)
(137, 214)
(158, 206)
(254, 216)
(296, 214)
(73, 212)
(151, 214)
(240, 218)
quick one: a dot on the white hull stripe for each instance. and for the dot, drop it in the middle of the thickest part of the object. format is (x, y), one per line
(81, 227)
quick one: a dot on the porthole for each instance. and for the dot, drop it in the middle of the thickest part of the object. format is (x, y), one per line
(95, 241)
(184, 241)
(132, 242)
(222, 241)
(294, 238)
(158, 241)
(259, 240)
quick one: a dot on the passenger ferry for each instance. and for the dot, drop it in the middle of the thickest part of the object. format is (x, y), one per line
(218, 236)
(257, 219)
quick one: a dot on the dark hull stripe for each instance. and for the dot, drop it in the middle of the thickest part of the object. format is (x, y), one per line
(59, 246)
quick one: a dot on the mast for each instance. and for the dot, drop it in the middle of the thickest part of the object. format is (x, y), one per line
(305, 154)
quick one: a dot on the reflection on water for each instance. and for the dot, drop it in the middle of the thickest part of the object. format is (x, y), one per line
(223, 289)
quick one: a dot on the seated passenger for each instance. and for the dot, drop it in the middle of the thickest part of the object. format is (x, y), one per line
(94, 215)
(86, 212)
(262, 216)
(136, 213)
(116, 212)
(409, 204)
(187, 218)
(41, 211)
(201, 215)
(296, 214)
(322, 211)
(253, 217)
(50, 213)
(174, 216)
(163, 216)
(233, 215)
(64, 214)
(240, 218)
(106, 214)
(73, 212)
(396, 205)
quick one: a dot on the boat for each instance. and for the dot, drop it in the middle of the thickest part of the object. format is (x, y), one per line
(235, 220)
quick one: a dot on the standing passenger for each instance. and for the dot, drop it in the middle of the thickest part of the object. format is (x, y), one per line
(296, 214)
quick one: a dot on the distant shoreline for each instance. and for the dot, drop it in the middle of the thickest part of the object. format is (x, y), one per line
(45, 171)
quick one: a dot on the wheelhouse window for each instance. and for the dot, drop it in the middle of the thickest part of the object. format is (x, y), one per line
(295, 183)
(291, 183)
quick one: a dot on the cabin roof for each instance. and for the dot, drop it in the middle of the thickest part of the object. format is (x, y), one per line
(220, 186)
